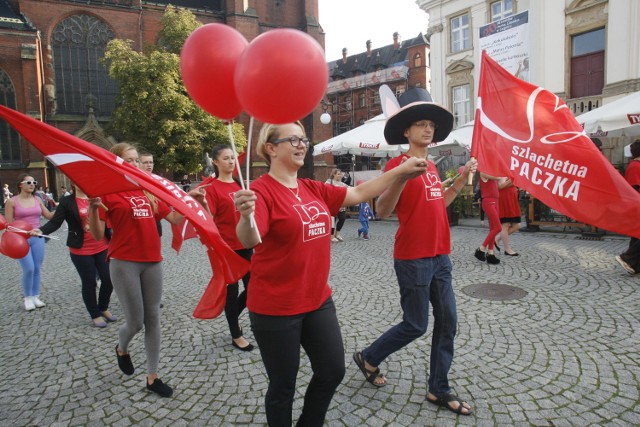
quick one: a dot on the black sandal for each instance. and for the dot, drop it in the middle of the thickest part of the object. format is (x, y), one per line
(371, 376)
(446, 398)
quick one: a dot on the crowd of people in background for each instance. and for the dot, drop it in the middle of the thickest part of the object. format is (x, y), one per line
(290, 306)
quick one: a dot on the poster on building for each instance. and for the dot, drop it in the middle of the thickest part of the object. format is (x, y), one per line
(507, 42)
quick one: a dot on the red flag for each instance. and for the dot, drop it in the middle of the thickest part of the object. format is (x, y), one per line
(185, 230)
(528, 134)
(98, 172)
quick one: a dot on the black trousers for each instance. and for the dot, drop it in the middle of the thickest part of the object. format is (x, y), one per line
(632, 255)
(279, 339)
(236, 302)
(90, 266)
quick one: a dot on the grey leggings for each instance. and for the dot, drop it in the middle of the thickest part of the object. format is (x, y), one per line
(138, 286)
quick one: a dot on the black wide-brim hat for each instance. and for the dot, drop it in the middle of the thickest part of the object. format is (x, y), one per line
(417, 105)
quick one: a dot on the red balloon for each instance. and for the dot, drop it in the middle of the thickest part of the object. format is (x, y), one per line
(207, 64)
(13, 245)
(21, 225)
(281, 76)
(3, 222)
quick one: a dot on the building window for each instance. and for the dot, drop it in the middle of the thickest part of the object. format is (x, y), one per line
(501, 9)
(460, 33)
(375, 98)
(362, 100)
(587, 63)
(461, 96)
(9, 139)
(81, 79)
(417, 60)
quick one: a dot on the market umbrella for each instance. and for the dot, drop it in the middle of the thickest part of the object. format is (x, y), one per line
(617, 118)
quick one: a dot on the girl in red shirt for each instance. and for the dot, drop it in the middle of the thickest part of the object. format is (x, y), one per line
(490, 195)
(290, 302)
(225, 215)
(135, 264)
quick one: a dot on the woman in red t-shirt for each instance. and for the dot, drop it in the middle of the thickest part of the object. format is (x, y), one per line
(290, 302)
(225, 215)
(510, 215)
(88, 255)
(135, 264)
(489, 190)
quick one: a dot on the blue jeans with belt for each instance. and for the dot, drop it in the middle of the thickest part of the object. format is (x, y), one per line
(423, 281)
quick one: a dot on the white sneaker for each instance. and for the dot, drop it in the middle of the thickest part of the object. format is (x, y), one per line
(37, 302)
(28, 304)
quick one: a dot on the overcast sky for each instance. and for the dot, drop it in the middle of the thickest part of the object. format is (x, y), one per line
(350, 23)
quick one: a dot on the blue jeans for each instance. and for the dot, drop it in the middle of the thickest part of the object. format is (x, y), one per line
(365, 227)
(423, 281)
(31, 264)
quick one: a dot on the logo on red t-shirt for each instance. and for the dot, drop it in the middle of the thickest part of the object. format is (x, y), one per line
(432, 187)
(316, 222)
(140, 207)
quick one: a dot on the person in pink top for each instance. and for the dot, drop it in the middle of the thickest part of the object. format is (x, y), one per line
(290, 304)
(490, 197)
(225, 215)
(27, 207)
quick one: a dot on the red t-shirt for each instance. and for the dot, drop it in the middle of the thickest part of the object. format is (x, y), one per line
(133, 223)
(489, 189)
(632, 174)
(224, 212)
(290, 268)
(90, 246)
(508, 203)
(424, 226)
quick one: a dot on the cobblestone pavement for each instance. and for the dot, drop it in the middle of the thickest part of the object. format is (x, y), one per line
(566, 354)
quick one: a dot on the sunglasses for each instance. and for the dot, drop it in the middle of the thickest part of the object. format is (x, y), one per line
(29, 182)
(295, 141)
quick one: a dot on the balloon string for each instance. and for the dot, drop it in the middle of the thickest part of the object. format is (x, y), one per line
(252, 219)
(19, 230)
(248, 149)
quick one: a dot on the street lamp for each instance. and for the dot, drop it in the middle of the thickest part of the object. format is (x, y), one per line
(325, 118)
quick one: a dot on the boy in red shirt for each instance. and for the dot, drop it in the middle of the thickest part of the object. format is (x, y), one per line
(630, 260)
(422, 247)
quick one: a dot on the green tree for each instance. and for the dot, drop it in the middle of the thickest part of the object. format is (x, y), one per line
(153, 107)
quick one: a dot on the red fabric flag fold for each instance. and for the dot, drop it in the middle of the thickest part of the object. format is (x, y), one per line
(528, 134)
(99, 172)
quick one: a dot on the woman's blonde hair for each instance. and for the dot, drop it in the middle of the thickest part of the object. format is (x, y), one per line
(267, 134)
(334, 172)
(119, 149)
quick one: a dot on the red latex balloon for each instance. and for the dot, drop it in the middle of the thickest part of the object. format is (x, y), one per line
(281, 76)
(21, 225)
(3, 222)
(13, 245)
(207, 63)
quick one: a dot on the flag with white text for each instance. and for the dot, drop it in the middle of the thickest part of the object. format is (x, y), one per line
(98, 172)
(528, 134)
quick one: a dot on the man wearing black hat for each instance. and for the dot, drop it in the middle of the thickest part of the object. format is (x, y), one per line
(421, 250)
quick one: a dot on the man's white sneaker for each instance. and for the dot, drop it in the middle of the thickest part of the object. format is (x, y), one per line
(28, 304)
(37, 302)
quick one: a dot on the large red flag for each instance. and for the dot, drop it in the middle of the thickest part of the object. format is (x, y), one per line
(98, 172)
(528, 134)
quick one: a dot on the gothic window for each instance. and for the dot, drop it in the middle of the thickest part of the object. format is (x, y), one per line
(82, 81)
(361, 100)
(9, 139)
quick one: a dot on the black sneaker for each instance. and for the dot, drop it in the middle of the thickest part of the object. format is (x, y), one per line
(480, 255)
(491, 259)
(160, 388)
(124, 362)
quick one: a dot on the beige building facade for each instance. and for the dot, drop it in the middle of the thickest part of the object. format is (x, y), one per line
(585, 51)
